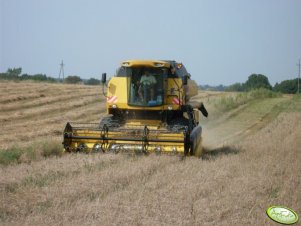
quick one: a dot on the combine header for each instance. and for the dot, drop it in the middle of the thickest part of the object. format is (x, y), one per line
(149, 110)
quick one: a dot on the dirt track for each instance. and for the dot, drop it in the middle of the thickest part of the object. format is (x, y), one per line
(240, 123)
(252, 162)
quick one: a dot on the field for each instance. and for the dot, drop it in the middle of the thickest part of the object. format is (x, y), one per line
(251, 161)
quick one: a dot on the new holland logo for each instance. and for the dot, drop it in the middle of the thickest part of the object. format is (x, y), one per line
(112, 99)
(282, 215)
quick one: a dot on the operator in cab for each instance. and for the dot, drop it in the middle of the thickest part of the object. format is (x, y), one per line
(147, 83)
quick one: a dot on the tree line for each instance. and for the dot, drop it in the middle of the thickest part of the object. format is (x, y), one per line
(16, 74)
(256, 81)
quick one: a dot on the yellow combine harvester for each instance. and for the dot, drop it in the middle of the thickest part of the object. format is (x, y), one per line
(149, 110)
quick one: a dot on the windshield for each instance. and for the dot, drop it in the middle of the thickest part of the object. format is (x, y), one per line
(146, 86)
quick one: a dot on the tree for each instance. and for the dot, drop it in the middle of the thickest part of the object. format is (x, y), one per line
(14, 72)
(4, 76)
(220, 87)
(92, 81)
(287, 86)
(256, 81)
(25, 76)
(73, 79)
(39, 77)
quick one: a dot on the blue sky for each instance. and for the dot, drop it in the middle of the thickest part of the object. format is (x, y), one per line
(220, 42)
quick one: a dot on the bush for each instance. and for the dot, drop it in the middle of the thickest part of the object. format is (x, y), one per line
(52, 149)
(10, 156)
(226, 103)
(263, 93)
(92, 81)
(73, 79)
(236, 87)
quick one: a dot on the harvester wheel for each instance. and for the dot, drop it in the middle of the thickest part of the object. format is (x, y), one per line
(199, 150)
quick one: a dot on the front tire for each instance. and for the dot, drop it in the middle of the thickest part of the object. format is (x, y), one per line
(199, 149)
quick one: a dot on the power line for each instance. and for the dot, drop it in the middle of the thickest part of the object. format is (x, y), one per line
(61, 70)
(299, 77)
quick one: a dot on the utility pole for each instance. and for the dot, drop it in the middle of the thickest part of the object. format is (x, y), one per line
(61, 70)
(299, 77)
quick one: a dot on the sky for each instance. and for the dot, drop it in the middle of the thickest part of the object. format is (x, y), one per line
(219, 41)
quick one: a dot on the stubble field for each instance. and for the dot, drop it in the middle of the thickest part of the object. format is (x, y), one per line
(251, 161)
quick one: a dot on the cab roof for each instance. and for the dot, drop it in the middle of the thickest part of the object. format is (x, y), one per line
(145, 63)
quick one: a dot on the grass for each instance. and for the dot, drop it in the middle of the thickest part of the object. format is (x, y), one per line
(229, 102)
(39, 180)
(295, 104)
(30, 153)
(51, 149)
(30, 112)
(44, 180)
(232, 185)
(10, 156)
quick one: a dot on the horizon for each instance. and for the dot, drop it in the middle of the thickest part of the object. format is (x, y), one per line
(199, 84)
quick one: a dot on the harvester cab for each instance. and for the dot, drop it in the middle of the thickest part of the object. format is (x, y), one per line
(149, 110)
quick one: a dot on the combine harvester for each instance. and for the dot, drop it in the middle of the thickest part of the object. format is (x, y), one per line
(149, 110)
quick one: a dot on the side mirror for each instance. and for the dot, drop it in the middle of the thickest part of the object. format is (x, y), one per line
(104, 78)
(203, 110)
(185, 80)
